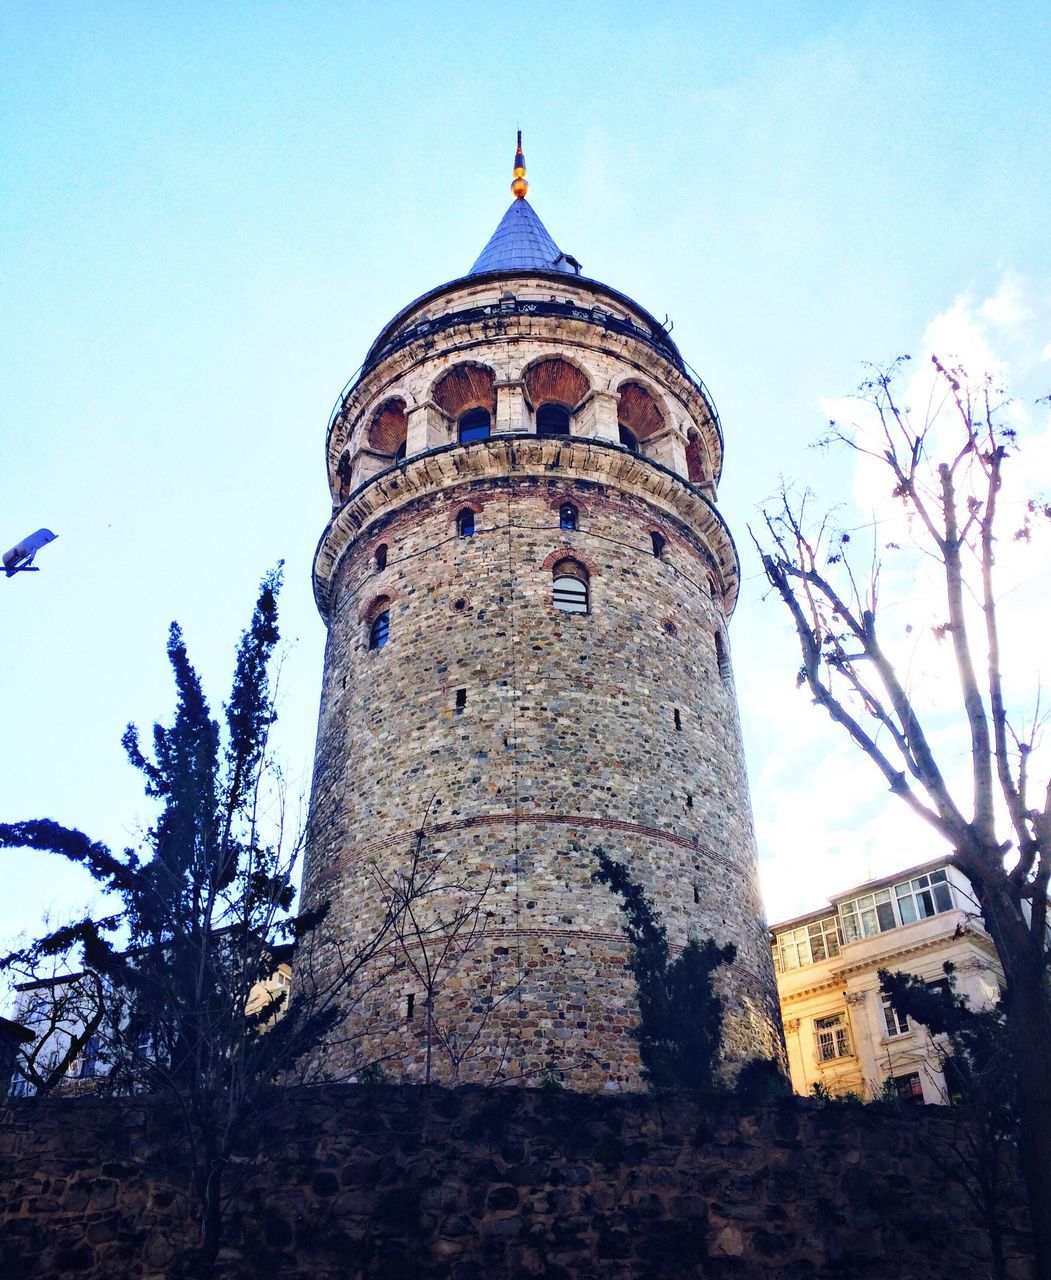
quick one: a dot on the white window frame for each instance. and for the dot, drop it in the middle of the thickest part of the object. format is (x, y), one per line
(868, 915)
(832, 1038)
(894, 1023)
(796, 948)
(924, 896)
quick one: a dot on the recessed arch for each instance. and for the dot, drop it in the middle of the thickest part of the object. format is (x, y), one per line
(553, 380)
(465, 386)
(388, 426)
(696, 471)
(639, 411)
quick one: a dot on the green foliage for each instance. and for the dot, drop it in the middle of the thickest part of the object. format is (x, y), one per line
(762, 1080)
(823, 1094)
(373, 1075)
(680, 1015)
(976, 1062)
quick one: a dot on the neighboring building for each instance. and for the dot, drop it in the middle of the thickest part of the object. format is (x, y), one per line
(527, 585)
(56, 1013)
(841, 1033)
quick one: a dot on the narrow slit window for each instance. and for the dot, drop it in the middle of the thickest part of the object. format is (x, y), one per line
(410, 1005)
(465, 524)
(381, 556)
(379, 631)
(658, 544)
(461, 699)
(567, 516)
(722, 658)
(678, 719)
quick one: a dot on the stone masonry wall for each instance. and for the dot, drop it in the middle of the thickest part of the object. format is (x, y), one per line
(358, 1183)
(614, 730)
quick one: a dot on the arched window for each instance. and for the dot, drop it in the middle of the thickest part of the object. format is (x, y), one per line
(569, 590)
(474, 425)
(567, 516)
(381, 556)
(658, 544)
(465, 523)
(552, 420)
(379, 631)
(627, 438)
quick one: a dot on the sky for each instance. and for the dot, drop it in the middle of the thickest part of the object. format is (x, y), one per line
(209, 211)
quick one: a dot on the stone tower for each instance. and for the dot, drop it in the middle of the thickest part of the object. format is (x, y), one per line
(526, 583)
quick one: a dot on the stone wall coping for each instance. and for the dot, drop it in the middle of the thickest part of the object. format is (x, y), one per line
(523, 453)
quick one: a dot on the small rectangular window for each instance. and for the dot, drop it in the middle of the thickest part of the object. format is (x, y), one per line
(678, 719)
(461, 699)
(908, 1087)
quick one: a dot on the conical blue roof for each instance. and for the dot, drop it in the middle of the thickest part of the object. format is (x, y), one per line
(521, 242)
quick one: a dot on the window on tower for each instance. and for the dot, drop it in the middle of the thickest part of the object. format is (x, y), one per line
(474, 425)
(567, 516)
(465, 523)
(381, 556)
(552, 420)
(628, 438)
(379, 627)
(569, 589)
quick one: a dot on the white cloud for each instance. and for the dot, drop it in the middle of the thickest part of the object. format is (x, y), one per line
(824, 818)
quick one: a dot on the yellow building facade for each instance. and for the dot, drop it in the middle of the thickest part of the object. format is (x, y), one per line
(840, 1032)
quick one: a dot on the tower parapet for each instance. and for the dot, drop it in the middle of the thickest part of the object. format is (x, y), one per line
(527, 585)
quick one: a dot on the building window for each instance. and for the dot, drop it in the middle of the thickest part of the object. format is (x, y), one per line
(925, 896)
(908, 1087)
(897, 1024)
(552, 420)
(381, 556)
(868, 915)
(569, 590)
(567, 516)
(677, 717)
(818, 940)
(722, 658)
(399, 452)
(628, 438)
(832, 1038)
(461, 700)
(474, 425)
(379, 631)
(465, 524)
(658, 544)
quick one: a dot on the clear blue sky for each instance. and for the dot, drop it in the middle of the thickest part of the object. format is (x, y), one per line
(209, 210)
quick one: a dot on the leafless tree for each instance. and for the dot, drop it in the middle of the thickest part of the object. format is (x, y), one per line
(438, 918)
(945, 470)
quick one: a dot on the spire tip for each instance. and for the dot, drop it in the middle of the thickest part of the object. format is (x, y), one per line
(519, 185)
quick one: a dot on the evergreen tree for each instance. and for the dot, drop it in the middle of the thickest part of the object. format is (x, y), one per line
(680, 1014)
(187, 959)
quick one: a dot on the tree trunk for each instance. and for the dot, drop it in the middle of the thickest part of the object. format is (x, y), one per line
(211, 1222)
(1029, 1028)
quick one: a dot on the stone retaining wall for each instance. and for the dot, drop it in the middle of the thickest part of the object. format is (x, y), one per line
(393, 1183)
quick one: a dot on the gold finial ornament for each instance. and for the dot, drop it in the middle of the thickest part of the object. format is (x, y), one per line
(519, 185)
